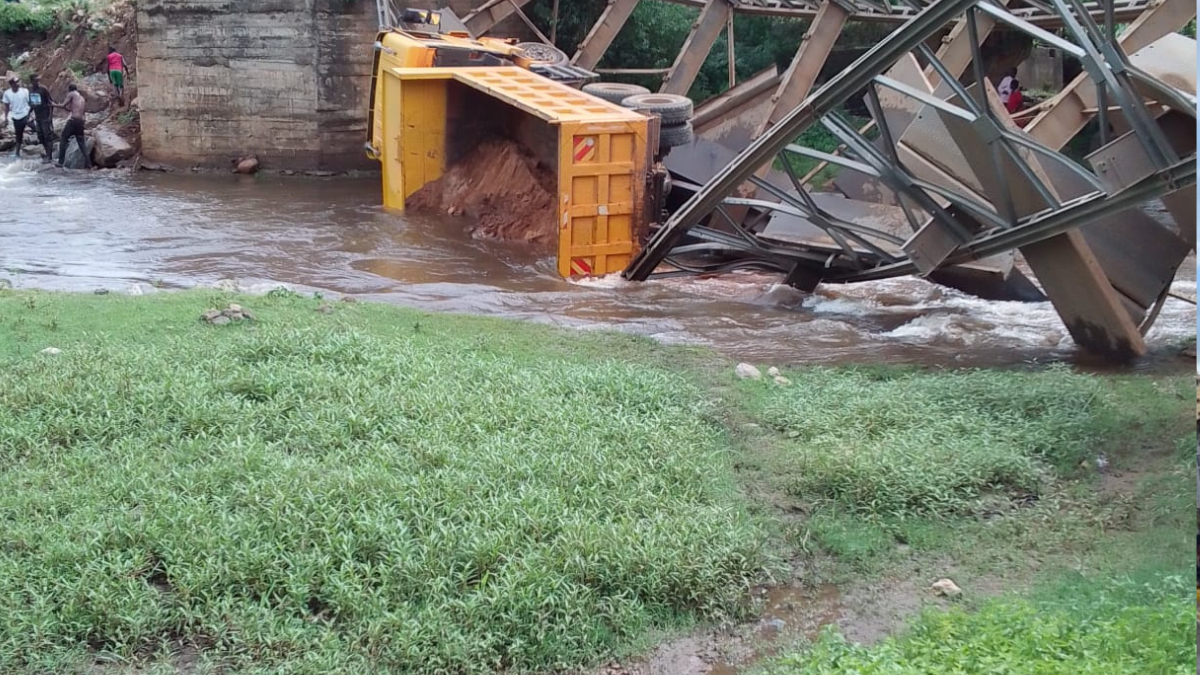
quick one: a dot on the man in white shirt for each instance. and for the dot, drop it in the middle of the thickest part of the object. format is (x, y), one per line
(16, 106)
(1005, 88)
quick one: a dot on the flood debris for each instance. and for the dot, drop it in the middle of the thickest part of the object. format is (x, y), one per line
(501, 187)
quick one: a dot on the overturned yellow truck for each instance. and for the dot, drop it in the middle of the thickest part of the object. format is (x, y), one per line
(437, 93)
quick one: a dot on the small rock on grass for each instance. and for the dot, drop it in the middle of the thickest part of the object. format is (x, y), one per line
(782, 381)
(773, 371)
(325, 308)
(220, 317)
(748, 372)
(947, 588)
(52, 351)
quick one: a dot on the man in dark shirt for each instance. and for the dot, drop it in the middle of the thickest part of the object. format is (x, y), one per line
(43, 115)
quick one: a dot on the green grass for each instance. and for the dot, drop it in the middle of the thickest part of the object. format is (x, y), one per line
(929, 443)
(1142, 625)
(366, 490)
(374, 489)
(47, 15)
(980, 463)
(24, 18)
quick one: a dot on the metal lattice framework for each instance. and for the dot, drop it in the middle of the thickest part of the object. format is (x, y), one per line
(970, 182)
(944, 179)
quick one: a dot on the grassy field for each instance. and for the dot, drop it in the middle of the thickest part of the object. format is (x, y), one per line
(987, 465)
(337, 492)
(372, 489)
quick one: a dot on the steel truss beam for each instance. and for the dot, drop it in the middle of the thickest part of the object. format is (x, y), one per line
(971, 183)
(713, 19)
(699, 42)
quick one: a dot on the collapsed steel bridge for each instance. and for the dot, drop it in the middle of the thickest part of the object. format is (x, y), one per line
(943, 182)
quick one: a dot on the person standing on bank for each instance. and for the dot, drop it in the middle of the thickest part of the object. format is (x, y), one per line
(117, 70)
(77, 106)
(43, 115)
(16, 106)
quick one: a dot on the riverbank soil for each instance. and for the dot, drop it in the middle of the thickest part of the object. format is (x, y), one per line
(501, 188)
(344, 487)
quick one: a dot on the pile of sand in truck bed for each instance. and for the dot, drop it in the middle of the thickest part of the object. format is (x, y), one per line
(502, 188)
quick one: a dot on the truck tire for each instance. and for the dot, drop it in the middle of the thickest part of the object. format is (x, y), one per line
(676, 135)
(543, 53)
(613, 92)
(672, 108)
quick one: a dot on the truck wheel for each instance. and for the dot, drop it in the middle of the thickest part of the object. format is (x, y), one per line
(543, 53)
(613, 92)
(676, 135)
(672, 108)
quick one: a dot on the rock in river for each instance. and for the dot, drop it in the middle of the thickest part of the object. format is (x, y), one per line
(110, 149)
(74, 159)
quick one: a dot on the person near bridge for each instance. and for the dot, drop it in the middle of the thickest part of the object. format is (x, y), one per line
(1016, 100)
(16, 106)
(43, 115)
(77, 106)
(118, 69)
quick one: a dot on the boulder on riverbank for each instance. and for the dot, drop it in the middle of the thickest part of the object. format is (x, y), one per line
(74, 159)
(110, 148)
(97, 91)
(246, 165)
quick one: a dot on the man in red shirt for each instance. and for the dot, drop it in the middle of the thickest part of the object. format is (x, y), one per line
(117, 70)
(1015, 99)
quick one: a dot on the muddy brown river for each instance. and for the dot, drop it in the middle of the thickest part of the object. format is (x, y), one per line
(136, 232)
